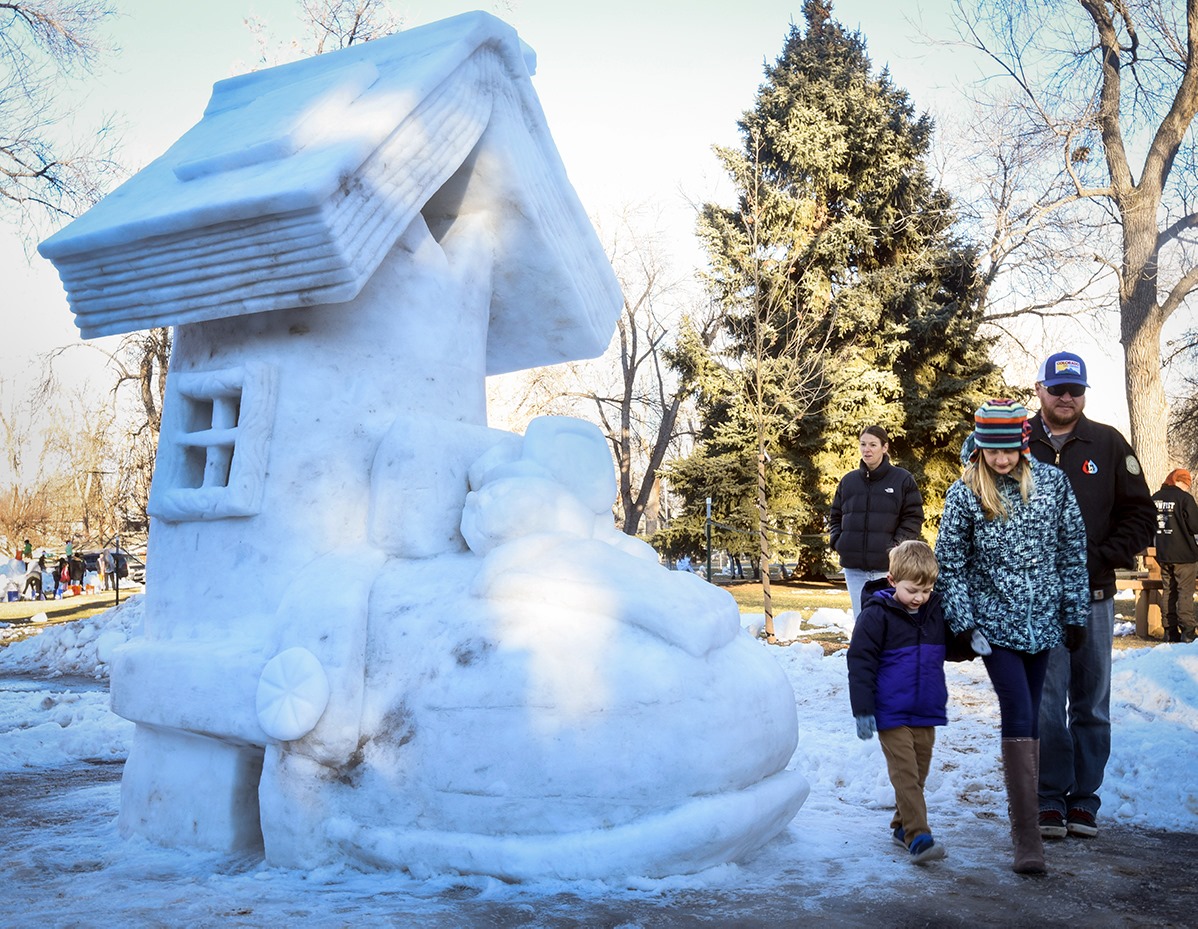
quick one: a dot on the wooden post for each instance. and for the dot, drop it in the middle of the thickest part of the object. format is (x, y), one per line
(1154, 594)
(1141, 610)
(1149, 620)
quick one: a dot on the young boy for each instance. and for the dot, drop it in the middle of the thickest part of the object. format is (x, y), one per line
(896, 683)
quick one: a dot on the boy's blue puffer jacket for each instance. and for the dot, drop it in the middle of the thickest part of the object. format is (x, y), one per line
(896, 661)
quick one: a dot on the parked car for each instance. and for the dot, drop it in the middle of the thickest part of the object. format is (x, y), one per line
(134, 567)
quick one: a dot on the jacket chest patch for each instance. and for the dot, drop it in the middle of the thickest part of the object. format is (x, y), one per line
(1089, 466)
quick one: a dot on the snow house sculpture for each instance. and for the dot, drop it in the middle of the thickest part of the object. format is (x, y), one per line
(377, 630)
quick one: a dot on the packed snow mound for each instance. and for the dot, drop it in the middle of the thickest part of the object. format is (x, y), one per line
(42, 727)
(790, 625)
(1153, 701)
(80, 647)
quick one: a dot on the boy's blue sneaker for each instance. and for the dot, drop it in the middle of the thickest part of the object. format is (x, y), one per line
(898, 837)
(924, 849)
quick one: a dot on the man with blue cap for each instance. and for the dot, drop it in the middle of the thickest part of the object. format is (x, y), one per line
(1120, 518)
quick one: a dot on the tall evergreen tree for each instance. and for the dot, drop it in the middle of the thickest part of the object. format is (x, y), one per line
(841, 232)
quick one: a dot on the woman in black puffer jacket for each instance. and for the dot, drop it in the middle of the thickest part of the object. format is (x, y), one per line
(875, 507)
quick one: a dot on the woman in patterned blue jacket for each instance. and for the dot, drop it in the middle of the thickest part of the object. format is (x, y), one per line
(1012, 553)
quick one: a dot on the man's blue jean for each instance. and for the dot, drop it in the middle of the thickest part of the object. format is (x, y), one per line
(1075, 717)
(854, 580)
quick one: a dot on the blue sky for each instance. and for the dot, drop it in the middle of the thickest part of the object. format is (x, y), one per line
(635, 93)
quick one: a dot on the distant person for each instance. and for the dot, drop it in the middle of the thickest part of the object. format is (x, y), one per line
(107, 568)
(897, 687)
(48, 582)
(62, 576)
(76, 570)
(70, 549)
(1177, 553)
(33, 578)
(28, 550)
(1075, 715)
(875, 507)
(1012, 553)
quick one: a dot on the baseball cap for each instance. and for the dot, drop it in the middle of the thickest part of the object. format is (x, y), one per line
(1062, 368)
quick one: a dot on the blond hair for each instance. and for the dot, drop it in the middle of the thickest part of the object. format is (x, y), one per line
(914, 561)
(983, 481)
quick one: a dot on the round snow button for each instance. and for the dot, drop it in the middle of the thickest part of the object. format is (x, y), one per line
(292, 694)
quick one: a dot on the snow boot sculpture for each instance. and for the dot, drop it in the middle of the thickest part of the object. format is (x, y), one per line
(378, 630)
(552, 703)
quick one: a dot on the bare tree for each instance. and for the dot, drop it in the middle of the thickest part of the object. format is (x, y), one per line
(1035, 237)
(140, 362)
(341, 23)
(44, 174)
(1118, 77)
(61, 470)
(24, 503)
(780, 327)
(1182, 359)
(632, 393)
(329, 25)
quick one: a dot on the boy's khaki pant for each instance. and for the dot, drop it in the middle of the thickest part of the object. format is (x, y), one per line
(908, 752)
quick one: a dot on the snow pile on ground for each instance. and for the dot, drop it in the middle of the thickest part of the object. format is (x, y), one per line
(41, 728)
(1149, 781)
(81, 647)
(789, 626)
(65, 855)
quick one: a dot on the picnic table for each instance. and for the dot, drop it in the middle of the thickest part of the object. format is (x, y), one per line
(1149, 590)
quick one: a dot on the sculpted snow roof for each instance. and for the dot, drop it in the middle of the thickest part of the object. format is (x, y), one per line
(299, 179)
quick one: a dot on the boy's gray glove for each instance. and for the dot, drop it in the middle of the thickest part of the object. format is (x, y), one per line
(978, 643)
(866, 727)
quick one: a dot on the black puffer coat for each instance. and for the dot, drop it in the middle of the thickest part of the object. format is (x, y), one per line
(871, 513)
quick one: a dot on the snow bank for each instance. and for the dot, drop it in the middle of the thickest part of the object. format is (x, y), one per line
(1154, 708)
(789, 626)
(82, 647)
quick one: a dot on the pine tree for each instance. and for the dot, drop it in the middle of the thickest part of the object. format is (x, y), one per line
(840, 231)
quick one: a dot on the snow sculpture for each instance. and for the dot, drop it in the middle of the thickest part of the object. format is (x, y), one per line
(380, 630)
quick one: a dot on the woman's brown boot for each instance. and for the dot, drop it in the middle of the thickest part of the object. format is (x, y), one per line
(1021, 766)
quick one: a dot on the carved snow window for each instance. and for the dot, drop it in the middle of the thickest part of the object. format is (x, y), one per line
(216, 428)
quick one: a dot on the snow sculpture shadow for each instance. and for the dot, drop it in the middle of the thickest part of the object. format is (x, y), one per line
(378, 630)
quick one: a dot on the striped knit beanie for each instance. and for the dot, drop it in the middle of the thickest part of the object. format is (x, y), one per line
(1001, 424)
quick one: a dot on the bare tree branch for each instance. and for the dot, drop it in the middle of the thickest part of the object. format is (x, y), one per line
(44, 173)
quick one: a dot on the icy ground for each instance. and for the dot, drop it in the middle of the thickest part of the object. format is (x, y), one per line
(60, 749)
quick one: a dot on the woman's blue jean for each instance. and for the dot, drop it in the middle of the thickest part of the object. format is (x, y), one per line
(854, 580)
(1018, 679)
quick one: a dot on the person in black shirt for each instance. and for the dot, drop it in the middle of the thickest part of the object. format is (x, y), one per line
(1177, 553)
(1075, 711)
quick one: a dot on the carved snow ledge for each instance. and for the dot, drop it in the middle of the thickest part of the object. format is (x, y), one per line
(299, 179)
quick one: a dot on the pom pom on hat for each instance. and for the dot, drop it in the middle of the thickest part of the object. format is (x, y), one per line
(1001, 423)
